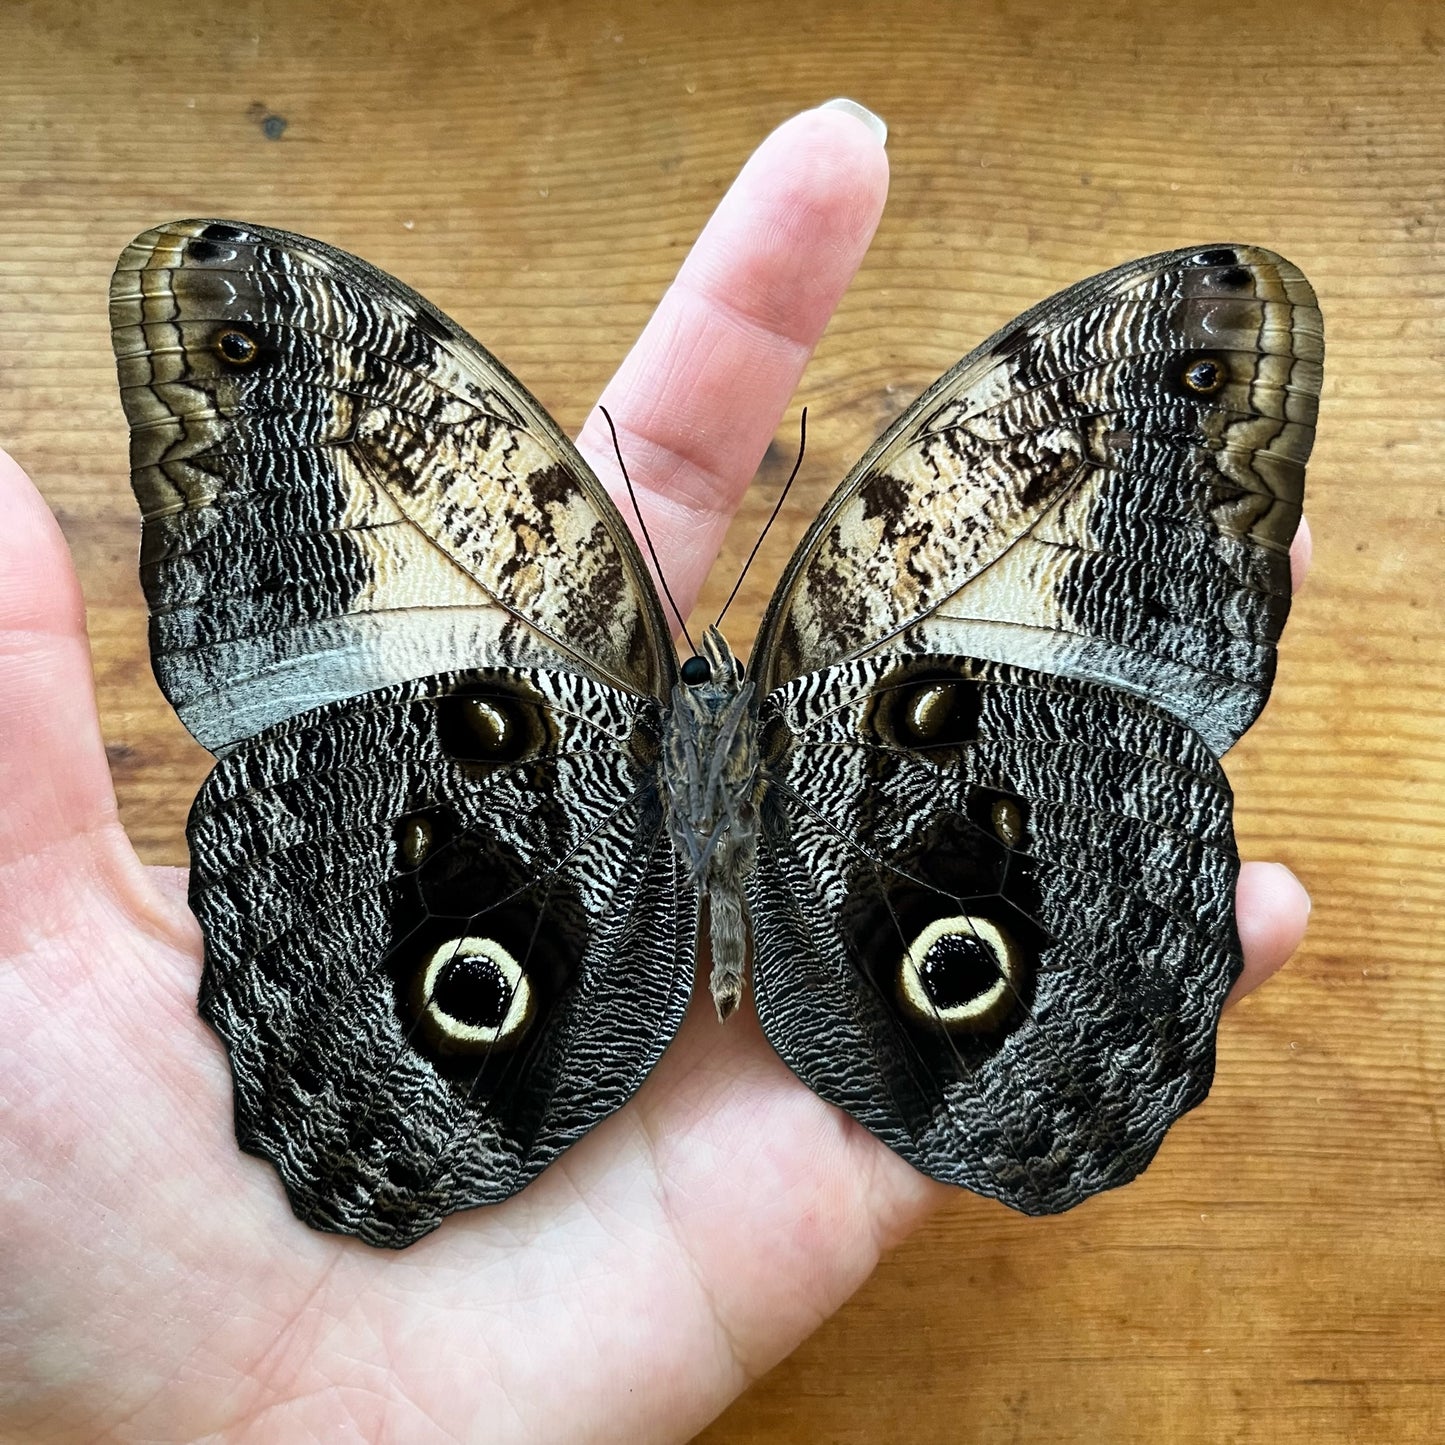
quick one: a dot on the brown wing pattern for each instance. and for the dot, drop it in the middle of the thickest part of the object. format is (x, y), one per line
(343, 491)
(1106, 489)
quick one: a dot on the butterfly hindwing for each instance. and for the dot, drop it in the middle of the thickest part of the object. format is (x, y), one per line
(993, 913)
(445, 931)
(993, 917)
(445, 936)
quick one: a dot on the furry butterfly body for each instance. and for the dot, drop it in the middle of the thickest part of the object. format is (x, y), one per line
(964, 797)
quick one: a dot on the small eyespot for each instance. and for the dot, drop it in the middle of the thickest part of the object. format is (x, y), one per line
(484, 723)
(480, 729)
(219, 231)
(1231, 278)
(1220, 256)
(235, 347)
(488, 724)
(1204, 376)
(939, 713)
(414, 838)
(932, 713)
(1008, 822)
(695, 671)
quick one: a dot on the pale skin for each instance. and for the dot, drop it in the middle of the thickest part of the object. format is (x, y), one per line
(153, 1284)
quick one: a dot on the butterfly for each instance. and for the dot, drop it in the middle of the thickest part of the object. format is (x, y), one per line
(469, 811)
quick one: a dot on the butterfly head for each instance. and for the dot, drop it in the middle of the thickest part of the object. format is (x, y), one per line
(714, 665)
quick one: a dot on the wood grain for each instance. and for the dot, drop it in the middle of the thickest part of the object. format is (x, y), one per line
(1279, 1275)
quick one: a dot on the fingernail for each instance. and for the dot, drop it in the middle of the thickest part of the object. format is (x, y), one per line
(875, 123)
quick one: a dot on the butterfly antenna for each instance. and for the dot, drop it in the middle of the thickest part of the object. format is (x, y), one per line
(778, 507)
(647, 536)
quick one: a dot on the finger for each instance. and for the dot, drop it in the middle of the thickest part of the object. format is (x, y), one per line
(1272, 908)
(54, 778)
(699, 397)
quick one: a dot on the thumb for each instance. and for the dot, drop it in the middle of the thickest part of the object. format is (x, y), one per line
(60, 837)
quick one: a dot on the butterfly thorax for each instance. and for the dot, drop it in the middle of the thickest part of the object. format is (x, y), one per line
(710, 781)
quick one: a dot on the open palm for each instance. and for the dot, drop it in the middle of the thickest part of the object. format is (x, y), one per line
(155, 1286)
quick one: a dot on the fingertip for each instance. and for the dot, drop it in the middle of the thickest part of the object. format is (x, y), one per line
(796, 223)
(1273, 909)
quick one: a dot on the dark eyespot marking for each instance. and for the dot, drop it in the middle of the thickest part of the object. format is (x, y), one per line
(235, 347)
(204, 251)
(695, 671)
(219, 232)
(419, 835)
(957, 970)
(1008, 822)
(489, 726)
(1221, 256)
(1231, 278)
(930, 712)
(938, 713)
(414, 840)
(473, 996)
(1203, 375)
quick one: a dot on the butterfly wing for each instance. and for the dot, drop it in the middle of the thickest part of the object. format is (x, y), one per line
(1105, 489)
(993, 908)
(445, 934)
(342, 490)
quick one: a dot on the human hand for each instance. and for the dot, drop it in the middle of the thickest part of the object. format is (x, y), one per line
(155, 1286)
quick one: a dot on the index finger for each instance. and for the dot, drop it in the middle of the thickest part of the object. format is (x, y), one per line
(700, 395)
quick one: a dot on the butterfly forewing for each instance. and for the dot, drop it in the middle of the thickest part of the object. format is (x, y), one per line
(342, 490)
(1106, 489)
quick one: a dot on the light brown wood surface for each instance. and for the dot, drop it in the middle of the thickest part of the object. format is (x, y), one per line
(1279, 1274)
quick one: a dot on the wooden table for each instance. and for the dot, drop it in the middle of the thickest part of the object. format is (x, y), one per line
(539, 171)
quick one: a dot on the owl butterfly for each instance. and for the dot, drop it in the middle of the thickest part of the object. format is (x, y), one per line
(466, 805)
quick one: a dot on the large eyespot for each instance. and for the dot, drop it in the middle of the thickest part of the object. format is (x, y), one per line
(235, 347)
(474, 996)
(964, 972)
